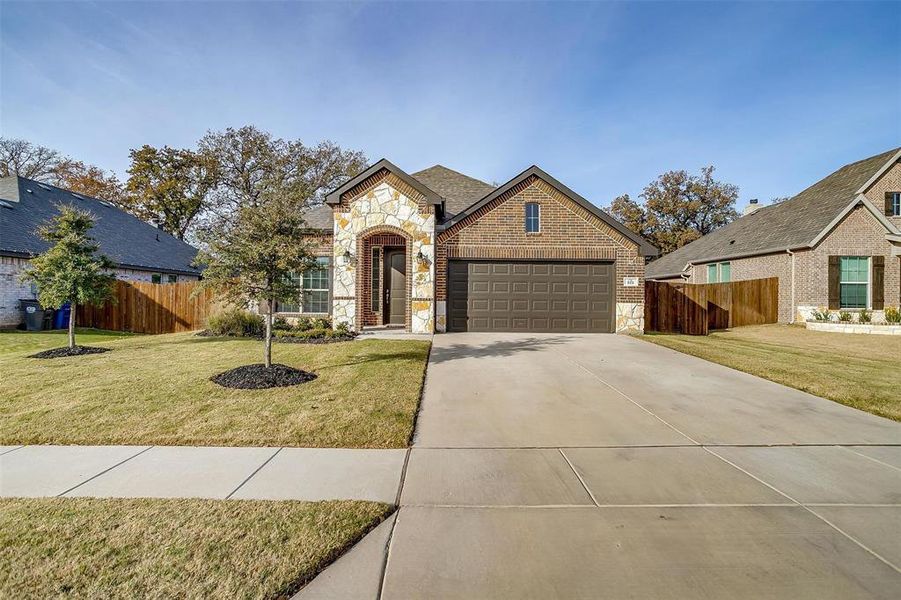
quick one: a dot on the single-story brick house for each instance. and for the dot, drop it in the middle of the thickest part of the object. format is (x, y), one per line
(837, 244)
(437, 250)
(140, 251)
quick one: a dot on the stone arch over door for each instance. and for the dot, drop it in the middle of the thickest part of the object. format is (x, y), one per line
(364, 271)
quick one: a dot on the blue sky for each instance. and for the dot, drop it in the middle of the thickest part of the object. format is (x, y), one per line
(604, 96)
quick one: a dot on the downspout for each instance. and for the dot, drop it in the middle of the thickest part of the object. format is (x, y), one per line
(792, 318)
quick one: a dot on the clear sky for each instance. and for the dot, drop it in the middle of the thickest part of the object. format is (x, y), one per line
(604, 96)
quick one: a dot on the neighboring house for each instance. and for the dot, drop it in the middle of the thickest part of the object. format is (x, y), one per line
(140, 251)
(837, 244)
(437, 250)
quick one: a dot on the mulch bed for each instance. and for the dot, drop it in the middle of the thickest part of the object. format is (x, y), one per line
(76, 351)
(258, 377)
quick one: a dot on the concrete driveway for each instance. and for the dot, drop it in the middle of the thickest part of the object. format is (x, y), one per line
(592, 466)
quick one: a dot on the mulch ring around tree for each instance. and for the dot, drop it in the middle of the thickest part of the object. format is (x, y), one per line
(66, 351)
(258, 377)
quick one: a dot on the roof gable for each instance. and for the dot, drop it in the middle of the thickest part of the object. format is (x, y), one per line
(458, 190)
(125, 239)
(645, 247)
(334, 197)
(796, 223)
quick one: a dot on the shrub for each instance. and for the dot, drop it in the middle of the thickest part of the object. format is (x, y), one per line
(342, 328)
(892, 314)
(821, 314)
(313, 334)
(281, 324)
(844, 316)
(237, 323)
(307, 323)
(864, 316)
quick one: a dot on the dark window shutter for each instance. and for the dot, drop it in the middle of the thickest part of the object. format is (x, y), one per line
(834, 273)
(888, 203)
(878, 282)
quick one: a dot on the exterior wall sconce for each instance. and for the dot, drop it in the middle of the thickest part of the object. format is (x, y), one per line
(349, 258)
(423, 259)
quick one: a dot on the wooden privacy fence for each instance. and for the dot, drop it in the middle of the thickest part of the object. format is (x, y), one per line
(143, 307)
(676, 307)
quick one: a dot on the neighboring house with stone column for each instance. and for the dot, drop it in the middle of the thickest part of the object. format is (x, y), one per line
(837, 244)
(140, 251)
(437, 250)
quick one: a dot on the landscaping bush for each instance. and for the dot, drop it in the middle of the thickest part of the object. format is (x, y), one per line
(281, 324)
(864, 316)
(237, 323)
(844, 316)
(892, 315)
(307, 323)
(821, 314)
(320, 335)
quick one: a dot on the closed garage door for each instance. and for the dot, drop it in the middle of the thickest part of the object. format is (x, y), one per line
(530, 296)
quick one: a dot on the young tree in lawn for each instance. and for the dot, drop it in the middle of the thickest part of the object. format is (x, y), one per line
(252, 254)
(70, 270)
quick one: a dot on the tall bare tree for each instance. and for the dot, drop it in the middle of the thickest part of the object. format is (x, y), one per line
(32, 161)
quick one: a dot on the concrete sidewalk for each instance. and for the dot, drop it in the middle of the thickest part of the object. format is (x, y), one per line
(201, 472)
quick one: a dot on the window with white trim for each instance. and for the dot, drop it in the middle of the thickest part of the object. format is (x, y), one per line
(314, 298)
(896, 204)
(854, 282)
(719, 272)
(533, 217)
(314, 286)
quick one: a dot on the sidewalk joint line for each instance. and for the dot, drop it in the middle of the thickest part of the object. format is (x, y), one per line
(5, 452)
(808, 509)
(255, 471)
(875, 460)
(403, 476)
(384, 576)
(579, 477)
(105, 471)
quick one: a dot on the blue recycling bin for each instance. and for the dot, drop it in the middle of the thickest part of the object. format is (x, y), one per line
(61, 318)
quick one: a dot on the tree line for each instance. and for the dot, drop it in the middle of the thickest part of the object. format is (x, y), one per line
(184, 190)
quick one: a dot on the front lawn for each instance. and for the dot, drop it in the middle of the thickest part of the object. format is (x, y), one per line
(155, 389)
(149, 548)
(857, 370)
(13, 341)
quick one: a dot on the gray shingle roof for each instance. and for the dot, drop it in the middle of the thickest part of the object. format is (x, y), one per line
(459, 190)
(790, 224)
(319, 217)
(125, 239)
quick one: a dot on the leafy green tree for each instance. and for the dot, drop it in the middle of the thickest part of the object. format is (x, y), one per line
(679, 208)
(252, 253)
(70, 270)
(251, 161)
(169, 186)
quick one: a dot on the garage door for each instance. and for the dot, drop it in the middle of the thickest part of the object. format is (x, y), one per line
(530, 296)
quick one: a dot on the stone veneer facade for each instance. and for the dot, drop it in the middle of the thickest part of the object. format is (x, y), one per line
(12, 289)
(568, 232)
(383, 205)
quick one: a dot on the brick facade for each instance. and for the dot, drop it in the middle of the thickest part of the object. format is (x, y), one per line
(568, 232)
(12, 289)
(889, 182)
(858, 234)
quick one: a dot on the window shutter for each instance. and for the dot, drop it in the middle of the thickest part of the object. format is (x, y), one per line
(878, 282)
(888, 203)
(834, 273)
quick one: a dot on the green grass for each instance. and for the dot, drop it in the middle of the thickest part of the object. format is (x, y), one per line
(155, 389)
(13, 341)
(149, 548)
(856, 370)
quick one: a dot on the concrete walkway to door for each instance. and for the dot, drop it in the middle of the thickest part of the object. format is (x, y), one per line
(594, 466)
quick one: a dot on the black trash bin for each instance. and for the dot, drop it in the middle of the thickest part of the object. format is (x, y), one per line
(34, 314)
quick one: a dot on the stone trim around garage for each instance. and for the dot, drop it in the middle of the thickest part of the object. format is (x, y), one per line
(839, 327)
